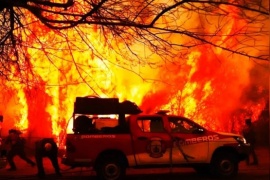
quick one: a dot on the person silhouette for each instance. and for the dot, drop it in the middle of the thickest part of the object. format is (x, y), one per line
(249, 135)
(46, 147)
(16, 146)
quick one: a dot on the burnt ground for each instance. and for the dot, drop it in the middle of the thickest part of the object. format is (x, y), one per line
(26, 172)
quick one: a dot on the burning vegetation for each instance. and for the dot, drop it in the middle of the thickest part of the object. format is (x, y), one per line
(206, 60)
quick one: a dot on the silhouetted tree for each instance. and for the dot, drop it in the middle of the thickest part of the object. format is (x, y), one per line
(148, 22)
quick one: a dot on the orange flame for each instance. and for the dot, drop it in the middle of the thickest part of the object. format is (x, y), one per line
(207, 87)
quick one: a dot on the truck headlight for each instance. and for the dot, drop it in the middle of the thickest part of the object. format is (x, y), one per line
(240, 139)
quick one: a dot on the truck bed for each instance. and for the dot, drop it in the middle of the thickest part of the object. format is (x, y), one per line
(92, 145)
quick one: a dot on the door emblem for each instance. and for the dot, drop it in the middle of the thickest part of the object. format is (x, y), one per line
(156, 147)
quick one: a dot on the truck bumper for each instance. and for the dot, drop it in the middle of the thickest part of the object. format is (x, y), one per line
(65, 161)
(243, 151)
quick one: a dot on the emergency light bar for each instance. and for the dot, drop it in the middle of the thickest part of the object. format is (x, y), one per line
(162, 112)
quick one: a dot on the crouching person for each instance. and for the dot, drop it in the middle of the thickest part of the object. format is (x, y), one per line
(16, 146)
(46, 148)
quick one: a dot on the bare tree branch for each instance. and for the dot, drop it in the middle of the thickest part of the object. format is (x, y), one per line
(148, 22)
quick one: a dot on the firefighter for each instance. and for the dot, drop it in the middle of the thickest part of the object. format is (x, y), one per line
(46, 148)
(16, 145)
(3, 160)
(249, 135)
(85, 125)
(1, 121)
(1, 140)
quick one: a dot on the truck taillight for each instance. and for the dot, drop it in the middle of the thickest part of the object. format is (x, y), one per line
(70, 147)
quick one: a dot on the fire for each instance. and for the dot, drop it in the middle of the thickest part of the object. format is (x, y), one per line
(206, 86)
(22, 122)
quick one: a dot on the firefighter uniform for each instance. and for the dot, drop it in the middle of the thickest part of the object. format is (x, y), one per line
(46, 148)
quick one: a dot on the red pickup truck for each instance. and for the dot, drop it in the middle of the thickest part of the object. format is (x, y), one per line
(137, 140)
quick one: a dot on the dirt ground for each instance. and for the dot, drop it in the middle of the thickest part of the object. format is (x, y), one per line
(25, 171)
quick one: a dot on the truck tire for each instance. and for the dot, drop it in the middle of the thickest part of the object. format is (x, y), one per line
(224, 164)
(110, 169)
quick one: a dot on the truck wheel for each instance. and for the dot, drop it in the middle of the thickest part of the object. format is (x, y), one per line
(110, 169)
(224, 165)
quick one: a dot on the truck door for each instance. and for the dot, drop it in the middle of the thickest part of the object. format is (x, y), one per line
(151, 141)
(191, 143)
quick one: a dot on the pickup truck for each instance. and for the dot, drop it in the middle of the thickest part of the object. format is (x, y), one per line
(138, 140)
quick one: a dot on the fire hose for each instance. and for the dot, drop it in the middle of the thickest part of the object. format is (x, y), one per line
(176, 141)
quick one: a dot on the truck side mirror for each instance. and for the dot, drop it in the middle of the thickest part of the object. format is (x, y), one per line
(198, 131)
